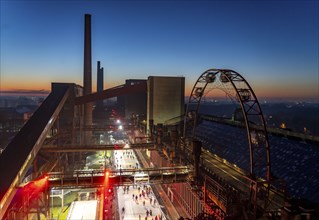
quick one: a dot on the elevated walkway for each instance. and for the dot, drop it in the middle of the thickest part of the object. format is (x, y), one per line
(16, 159)
(95, 178)
(97, 147)
(112, 92)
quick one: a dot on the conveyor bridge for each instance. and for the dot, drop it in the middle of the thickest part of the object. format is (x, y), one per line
(96, 178)
(20, 153)
(97, 147)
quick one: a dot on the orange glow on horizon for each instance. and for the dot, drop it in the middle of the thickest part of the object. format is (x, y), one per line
(26, 84)
(266, 90)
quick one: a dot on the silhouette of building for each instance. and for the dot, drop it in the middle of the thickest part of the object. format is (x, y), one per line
(133, 105)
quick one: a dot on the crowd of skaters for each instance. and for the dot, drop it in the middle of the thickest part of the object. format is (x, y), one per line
(144, 196)
(125, 155)
(141, 194)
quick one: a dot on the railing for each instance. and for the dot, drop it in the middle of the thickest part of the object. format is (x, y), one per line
(96, 178)
(97, 147)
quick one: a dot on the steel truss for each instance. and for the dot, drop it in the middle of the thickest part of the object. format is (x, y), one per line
(95, 178)
(238, 90)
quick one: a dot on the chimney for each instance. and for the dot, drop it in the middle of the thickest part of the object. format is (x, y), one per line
(87, 75)
(99, 86)
(100, 80)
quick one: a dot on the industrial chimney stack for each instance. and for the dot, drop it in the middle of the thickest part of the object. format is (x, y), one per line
(99, 86)
(100, 78)
(87, 76)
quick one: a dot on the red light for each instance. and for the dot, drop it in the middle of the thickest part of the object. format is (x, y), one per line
(40, 183)
(106, 177)
(110, 190)
(36, 186)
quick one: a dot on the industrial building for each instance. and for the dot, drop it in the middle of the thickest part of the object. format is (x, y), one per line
(133, 105)
(165, 99)
(188, 174)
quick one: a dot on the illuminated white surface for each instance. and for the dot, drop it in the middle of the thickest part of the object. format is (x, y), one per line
(83, 210)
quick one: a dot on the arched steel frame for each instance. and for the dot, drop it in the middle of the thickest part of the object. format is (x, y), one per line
(238, 89)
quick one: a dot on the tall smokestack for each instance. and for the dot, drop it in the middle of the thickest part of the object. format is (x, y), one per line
(87, 76)
(99, 86)
(100, 78)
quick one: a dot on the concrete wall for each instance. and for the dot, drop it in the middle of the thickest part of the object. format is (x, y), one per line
(165, 98)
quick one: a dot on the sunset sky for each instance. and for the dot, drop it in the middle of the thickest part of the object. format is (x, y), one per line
(273, 44)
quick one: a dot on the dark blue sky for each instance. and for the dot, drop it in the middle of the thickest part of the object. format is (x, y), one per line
(273, 44)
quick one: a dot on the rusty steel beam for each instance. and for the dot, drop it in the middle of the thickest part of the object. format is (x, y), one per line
(104, 128)
(112, 92)
(87, 148)
(96, 178)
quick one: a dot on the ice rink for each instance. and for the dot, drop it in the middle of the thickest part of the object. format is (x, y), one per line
(85, 210)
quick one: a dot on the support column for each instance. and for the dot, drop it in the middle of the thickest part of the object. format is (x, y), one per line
(159, 134)
(151, 126)
(197, 148)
